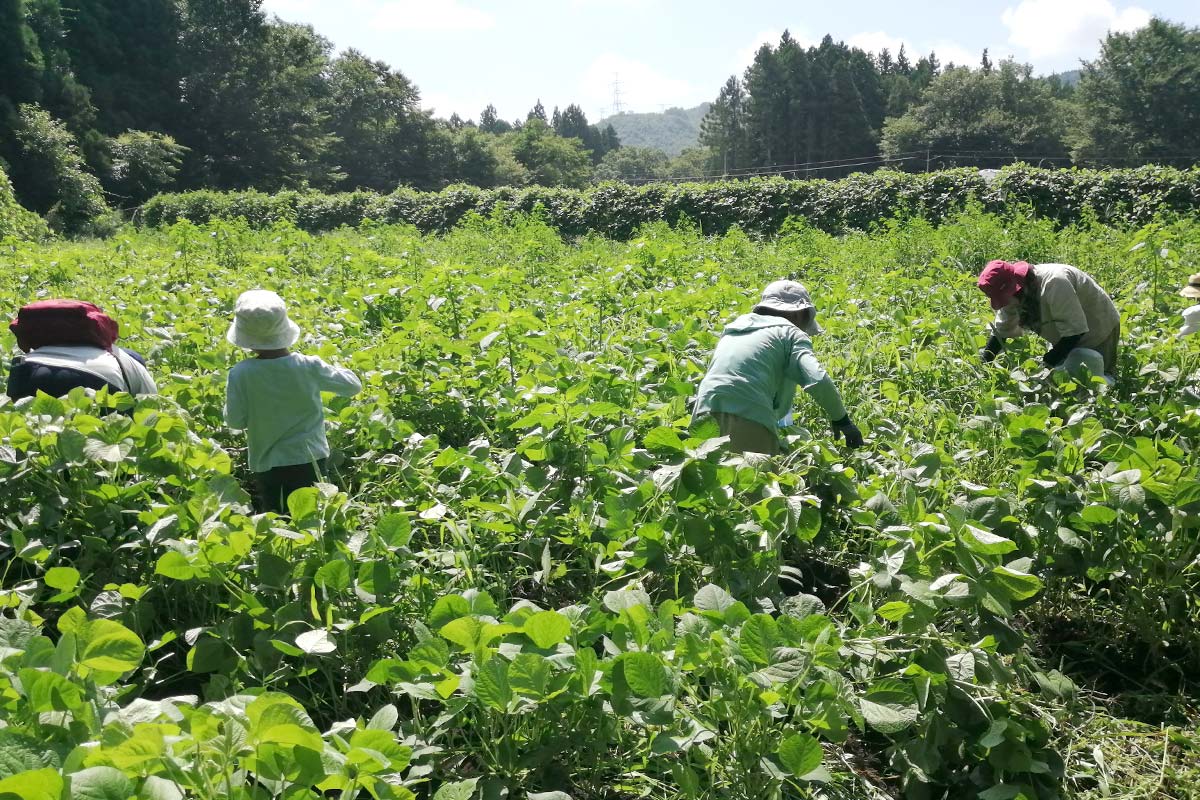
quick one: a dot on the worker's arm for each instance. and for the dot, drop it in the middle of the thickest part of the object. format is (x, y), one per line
(806, 370)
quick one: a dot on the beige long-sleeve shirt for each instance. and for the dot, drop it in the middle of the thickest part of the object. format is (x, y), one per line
(1061, 301)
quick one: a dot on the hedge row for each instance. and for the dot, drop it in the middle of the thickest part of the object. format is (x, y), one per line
(760, 204)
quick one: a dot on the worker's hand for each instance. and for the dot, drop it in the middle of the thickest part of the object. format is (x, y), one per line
(991, 349)
(849, 431)
(1058, 354)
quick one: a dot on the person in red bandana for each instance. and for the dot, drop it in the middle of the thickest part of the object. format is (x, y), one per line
(1062, 304)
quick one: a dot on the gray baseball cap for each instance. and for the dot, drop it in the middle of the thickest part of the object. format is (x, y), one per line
(790, 296)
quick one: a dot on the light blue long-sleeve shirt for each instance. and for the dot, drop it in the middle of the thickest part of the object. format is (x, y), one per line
(277, 401)
(757, 365)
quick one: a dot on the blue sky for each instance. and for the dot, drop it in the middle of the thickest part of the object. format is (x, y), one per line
(463, 54)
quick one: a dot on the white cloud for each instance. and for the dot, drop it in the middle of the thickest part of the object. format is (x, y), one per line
(952, 53)
(423, 15)
(443, 105)
(643, 88)
(392, 15)
(745, 56)
(948, 52)
(1067, 29)
(875, 41)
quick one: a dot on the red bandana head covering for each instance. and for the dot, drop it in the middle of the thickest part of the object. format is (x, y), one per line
(1001, 280)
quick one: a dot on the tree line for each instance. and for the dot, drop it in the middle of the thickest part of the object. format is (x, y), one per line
(835, 109)
(104, 103)
(108, 102)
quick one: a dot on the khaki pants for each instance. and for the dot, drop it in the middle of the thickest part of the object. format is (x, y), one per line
(1108, 349)
(747, 436)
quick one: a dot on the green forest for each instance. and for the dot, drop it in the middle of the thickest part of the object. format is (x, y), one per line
(104, 103)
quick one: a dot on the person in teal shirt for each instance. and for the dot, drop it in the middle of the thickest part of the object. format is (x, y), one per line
(759, 361)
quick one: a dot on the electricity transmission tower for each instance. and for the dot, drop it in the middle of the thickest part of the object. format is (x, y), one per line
(618, 106)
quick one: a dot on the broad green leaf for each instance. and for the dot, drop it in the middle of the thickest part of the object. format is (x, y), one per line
(278, 719)
(491, 684)
(433, 652)
(62, 578)
(887, 719)
(1017, 585)
(38, 784)
(985, 542)
(334, 576)
(466, 632)
(447, 609)
(800, 754)
(529, 674)
(758, 637)
(547, 628)
(108, 646)
(173, 564)
(663, 438)
(894, 611)
(1056, 685)
(47, 691)
(20, 753)
(384, 719)
(459, 790)
(645, 674)
(808, 522)
(713, 598)
(618, 600)
(303, 503)
(395, 529)
(99, 783)
(316, 643)
(961, 666)
(803, 605)
(1098, 515)
(156, 788)
(98, 450)
(397, 755)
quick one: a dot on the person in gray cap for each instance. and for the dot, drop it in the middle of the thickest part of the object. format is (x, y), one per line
(758, 363)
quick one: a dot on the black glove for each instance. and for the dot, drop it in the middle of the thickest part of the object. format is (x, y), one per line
(849, 432)
(991, 349)
(1057, 354)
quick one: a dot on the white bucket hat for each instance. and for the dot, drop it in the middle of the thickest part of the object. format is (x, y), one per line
(260, 322)
(790, 296)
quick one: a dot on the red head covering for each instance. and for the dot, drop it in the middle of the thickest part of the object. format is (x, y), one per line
(1001, 280)
(63, 323)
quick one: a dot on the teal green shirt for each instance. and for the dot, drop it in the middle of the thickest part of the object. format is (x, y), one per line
(758, 363)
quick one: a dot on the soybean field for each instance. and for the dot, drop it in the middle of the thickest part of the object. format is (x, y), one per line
(534, 580)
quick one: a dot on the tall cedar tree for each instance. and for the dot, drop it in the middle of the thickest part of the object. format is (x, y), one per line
(799, 105)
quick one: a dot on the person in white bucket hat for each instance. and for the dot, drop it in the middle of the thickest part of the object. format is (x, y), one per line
(1191, 315)
(758, 363)
(276, 398)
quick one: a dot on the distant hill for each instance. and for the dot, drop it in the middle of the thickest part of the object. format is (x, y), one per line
(670, 131)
